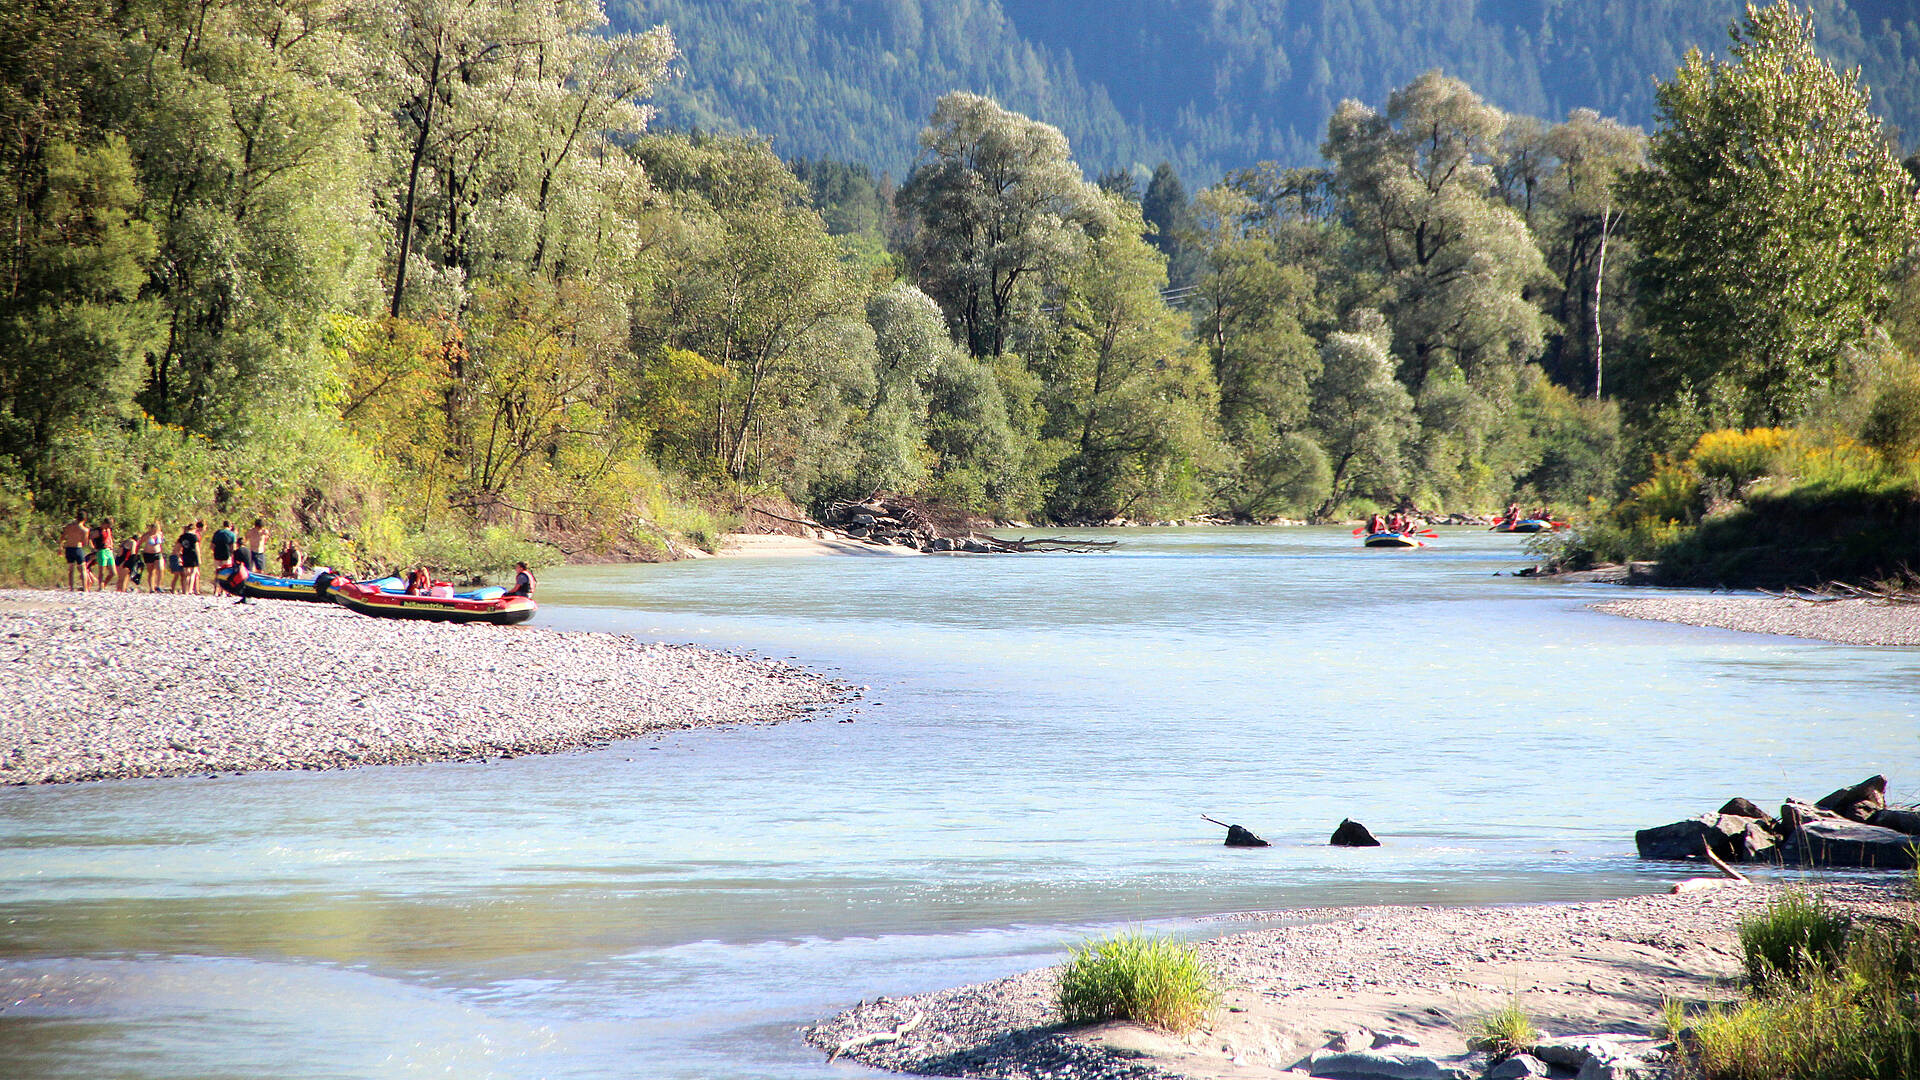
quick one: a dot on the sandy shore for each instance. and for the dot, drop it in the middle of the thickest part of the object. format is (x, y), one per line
(106, 685)
(1410, 976)
(1846, 622)
(777, 545)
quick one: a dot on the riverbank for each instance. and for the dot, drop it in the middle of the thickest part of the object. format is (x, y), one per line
(1407, 975)
(1844, 622)
(111, 685)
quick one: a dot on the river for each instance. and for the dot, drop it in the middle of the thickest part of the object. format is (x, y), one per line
(1028, 765)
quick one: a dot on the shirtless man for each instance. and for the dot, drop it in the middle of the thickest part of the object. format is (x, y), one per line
(73, 541)
(253, 547)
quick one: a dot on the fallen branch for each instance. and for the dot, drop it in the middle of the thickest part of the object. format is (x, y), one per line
(1700, 884)
(793, 521)
(876, 1038)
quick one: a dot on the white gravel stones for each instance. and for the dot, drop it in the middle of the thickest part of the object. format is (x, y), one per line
(108, 685)
(1845, 622)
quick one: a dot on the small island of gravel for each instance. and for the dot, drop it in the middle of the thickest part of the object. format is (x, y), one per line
(108, 685)
(1844, 622)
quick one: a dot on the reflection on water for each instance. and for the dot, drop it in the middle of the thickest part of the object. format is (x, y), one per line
(1039, 738)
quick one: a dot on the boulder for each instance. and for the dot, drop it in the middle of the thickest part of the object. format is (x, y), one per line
(1352, 834)
(1349, 1041)
(1384, 1065)
(978, 547)
(1757, 842)
(1724, 834)
(1239, 837)
(1746, 808)
(1600, 1057)
(1794, 813)
(1848, 843)
(942, 543)
(1519, 1067)
(1858, 802)
(1902, 821)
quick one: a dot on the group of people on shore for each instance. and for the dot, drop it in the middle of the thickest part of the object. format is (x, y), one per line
(96, 556)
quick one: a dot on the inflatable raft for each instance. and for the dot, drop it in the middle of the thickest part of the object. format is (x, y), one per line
(1526, 525)
(367, 599)
(1393, 540)
(267, 587)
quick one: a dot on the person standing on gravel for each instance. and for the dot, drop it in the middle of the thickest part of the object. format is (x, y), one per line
(73, 543)
(188, 549)
(152, 545)
(225, 540)
(103, 551)
(253, 548)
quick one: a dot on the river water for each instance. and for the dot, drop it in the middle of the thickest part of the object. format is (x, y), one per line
(1027, 767)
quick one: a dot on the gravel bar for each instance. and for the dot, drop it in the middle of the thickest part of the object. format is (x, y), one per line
(109, 685)
(1844, 622)
(1417, 974)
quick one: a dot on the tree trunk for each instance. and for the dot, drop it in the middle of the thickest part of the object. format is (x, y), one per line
(1599, 279)
(413, 174)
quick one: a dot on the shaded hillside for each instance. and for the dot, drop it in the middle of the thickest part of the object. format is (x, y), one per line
(1208, 84)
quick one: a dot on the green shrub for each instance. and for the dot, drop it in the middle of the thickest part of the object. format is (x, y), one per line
(1798, 937)
(1154, 981)
(1858, 1020)
(1504, 1032)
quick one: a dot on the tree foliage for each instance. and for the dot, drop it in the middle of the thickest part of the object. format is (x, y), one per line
(1768, 222)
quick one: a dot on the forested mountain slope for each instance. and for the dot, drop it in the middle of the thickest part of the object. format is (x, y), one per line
(1207, 84)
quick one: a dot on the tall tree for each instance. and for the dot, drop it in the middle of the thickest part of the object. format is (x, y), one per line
(1417, 183)
(998, 207)
(1768, 222)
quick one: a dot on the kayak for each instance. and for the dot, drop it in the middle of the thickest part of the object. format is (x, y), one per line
(1526, 525)
(268, 587)
(380, 603)
(1393, 540)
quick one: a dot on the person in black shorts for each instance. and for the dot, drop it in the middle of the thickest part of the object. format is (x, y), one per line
(190, 561)
(73, 542)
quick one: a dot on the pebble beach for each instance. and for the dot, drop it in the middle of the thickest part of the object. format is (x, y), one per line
(112, 685)
(1844, 622)
(1412, 977)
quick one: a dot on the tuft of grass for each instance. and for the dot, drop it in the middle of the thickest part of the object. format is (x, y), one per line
(1796, 938)
(1504, 1032)
(1155, 981)
(1859, 1019)
(1673, 1018)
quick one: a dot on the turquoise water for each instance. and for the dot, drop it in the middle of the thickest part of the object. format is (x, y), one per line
(1028, 765)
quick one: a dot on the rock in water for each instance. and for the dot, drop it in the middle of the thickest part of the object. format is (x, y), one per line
(1904, 821)
(1747, 808)
(1848, 843)
(1239, 837)
(1352, 834)
(1722, 833)
(1858, 802)
(1794, 813)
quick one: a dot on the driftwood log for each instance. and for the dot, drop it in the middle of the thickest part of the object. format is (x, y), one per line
(876, 1038)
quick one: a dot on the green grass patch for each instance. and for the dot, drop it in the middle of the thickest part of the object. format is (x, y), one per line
(1504, 1032)
(1796, 938)
(1155, 981)
(1858, 1019)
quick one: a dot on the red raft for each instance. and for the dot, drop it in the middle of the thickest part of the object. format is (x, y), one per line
(370, 600)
